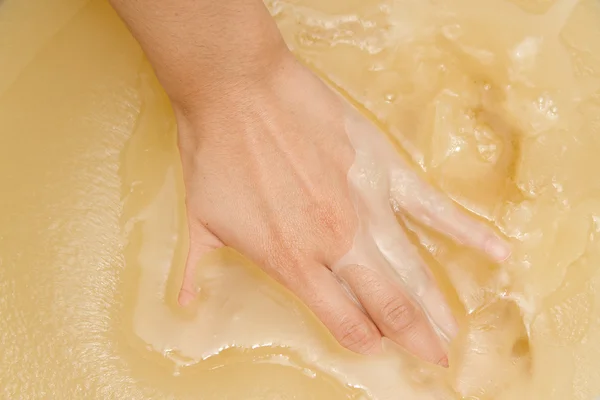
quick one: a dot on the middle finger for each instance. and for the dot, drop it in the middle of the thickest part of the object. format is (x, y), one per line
(394, 313)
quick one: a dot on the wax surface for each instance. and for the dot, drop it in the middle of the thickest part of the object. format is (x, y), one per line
(496, 102)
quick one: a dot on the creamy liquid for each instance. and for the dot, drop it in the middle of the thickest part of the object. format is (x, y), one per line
(497, 102)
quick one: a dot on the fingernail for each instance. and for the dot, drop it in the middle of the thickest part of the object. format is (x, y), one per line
(444, 362)
(498, 249)
(185, 298)
(452, 328)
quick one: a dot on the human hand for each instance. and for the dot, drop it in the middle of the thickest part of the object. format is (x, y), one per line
(283, 170)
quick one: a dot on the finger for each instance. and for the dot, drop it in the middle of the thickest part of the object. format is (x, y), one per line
(400, 262)
(328, 300)
(202, 242)
(436, 210)
(396, 316)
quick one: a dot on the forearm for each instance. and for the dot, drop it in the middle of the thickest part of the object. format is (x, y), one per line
(200, 48)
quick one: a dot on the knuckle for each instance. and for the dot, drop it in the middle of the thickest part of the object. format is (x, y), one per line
(332, 219)
(357, 335)
(287, 269)
(399, 315)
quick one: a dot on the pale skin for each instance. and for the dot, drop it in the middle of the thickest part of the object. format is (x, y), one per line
(266, 154)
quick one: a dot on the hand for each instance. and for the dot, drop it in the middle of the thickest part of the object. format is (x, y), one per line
(283, 170)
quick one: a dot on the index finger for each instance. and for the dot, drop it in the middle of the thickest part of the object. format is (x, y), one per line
(436, 210)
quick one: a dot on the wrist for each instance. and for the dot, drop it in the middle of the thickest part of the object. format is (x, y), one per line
(229, 82)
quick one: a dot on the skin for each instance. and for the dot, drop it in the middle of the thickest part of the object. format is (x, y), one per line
(266, 153)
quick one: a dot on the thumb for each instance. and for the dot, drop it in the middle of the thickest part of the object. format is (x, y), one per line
(202, 242)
